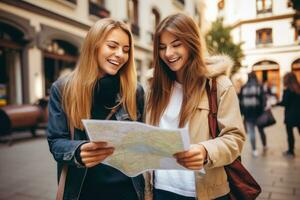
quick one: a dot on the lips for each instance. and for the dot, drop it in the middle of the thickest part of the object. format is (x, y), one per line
(173, 60)
(114, 62)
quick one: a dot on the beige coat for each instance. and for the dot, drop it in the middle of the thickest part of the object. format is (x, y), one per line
(222, 150)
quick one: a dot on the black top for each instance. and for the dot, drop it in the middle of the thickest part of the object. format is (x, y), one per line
(290, 101)
(103, 181)
(252, 100)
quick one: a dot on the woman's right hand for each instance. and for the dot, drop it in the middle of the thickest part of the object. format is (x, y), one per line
(93, 153)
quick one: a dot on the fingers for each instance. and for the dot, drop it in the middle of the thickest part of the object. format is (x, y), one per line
(193, 158)
(93, 153)
(96, 152)
(95, 159)
(195, 165)
(185, 154)
(92, 146)
(194, 151)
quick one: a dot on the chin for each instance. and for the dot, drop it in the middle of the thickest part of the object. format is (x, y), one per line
(175, 69)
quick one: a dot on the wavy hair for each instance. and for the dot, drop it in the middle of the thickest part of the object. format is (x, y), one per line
(79, 86)
(186, 30)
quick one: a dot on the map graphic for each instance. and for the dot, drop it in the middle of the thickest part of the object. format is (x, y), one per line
(138, 146)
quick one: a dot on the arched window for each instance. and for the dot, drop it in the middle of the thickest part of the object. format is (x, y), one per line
(264, 36)
(268, 71)
(296, 68)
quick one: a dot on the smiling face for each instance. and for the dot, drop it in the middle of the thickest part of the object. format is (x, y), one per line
(174, 53)
(114, 52)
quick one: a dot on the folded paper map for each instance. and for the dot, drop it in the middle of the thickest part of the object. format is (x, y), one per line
(138, 146)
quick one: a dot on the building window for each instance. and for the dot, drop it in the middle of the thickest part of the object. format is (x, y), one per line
(263, 6)
(264, 36)
(60, 58)
(133, 15)
(97, 8)
(11, 70)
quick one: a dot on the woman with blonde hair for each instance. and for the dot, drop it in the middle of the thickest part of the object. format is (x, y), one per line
(290, 101)
(103, 84)
(177, 98)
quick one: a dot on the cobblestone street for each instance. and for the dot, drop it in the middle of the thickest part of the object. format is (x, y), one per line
(28, 171)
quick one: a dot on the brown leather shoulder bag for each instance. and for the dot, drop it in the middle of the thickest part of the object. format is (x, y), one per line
(242, 184)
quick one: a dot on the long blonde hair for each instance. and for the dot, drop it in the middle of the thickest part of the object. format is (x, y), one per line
(79, 86)
(186, 30)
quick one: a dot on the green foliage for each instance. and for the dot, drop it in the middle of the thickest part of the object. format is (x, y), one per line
(219, 41)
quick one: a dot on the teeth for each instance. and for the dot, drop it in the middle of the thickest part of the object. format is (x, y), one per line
(113, 62)
(173, 60)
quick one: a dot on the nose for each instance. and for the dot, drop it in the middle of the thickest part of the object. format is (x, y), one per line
(169, 52)
(119, 52)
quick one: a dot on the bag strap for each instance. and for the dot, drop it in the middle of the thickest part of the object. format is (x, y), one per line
(213, 107)
(64, 171)
(63, 174)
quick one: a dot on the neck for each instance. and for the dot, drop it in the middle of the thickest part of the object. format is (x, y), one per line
(179, 76)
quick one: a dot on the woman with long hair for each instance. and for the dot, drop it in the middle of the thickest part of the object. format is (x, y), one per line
(103, 80)
(177, 98)
(290, 101)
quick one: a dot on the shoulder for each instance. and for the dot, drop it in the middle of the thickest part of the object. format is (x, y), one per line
(223, 82)
(59, 83)
(218, 65)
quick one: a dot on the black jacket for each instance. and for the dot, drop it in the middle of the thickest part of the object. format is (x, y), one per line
(290, 101)
(63, 148)
(252, 101)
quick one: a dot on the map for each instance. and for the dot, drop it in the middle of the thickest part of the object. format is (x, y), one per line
(138, 147)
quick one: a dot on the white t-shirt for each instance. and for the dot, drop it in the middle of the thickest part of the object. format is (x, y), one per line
(181, 182)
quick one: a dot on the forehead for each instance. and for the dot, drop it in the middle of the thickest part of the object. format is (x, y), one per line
(167, 37)
(118, 35)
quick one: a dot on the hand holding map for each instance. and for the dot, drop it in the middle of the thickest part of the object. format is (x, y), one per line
(138, 146)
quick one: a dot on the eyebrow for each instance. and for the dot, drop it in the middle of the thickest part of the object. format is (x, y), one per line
(116, 43)
(171, 42)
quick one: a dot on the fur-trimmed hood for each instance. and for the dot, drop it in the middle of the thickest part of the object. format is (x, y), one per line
(217, 65)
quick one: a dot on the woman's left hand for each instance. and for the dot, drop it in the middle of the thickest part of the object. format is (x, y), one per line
(192, 159)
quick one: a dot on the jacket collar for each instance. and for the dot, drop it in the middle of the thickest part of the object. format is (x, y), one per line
(216, 66)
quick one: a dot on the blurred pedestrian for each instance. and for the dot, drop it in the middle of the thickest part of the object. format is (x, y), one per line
(290, 101)
(252, 105)
(103, 81)
(177, 98)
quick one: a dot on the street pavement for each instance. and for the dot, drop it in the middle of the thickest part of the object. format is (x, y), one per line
(28, 171)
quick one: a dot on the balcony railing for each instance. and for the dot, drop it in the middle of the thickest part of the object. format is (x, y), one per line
(98, 10)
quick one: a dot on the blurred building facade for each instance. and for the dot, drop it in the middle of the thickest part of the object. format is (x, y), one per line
(271, 42)
(41, 40)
